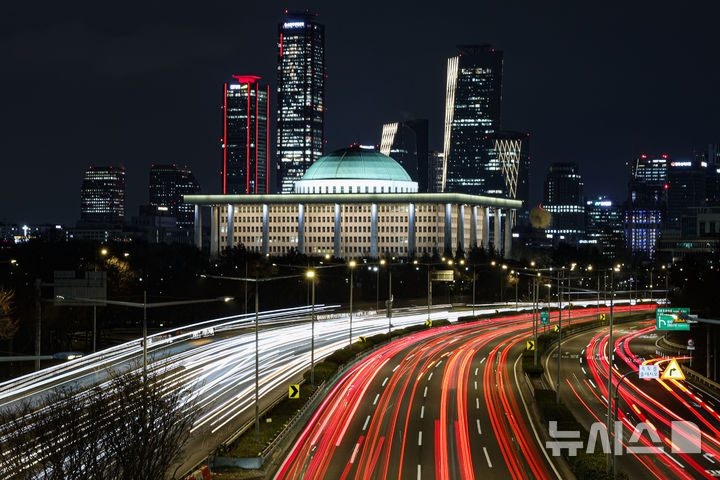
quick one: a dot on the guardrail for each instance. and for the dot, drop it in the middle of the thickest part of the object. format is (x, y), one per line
(701, 379)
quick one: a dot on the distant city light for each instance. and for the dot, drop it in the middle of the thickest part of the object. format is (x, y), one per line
(293, 24)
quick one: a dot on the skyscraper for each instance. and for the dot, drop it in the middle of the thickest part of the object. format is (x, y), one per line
(511, 152)
(301, 96)
(168, 184)
(472, 115)
(437, 169)
(563, 198)
(687, 184)
(246, 154)
(604, 226)
(102, 196)
(407, 143)
(647, 203)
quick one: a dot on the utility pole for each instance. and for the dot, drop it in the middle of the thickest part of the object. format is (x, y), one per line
(536, 315)
(257, 362)
(611, 351)
(559, 353)
(38, 326)
(145, 335)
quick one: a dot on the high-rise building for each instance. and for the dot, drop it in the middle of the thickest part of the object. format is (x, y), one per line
(472, 115)
(437, 169)
(102, 196)
(300, 97)
(687, 183)
(563, 198)
(168, 184)
(647, 203)
(407, 143)
(604, 226)
(246, 154)
(511, 151)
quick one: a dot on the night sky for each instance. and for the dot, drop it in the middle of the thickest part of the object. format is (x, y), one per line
(593, 82)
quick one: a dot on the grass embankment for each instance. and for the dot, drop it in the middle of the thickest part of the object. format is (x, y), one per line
(245, 445)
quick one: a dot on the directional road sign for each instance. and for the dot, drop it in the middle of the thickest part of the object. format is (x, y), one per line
(294, 391)
(673, 372)
(649, 371)
(691, 344)
(428, 323)
(530, 345)
(362, 339)
(672, 319)
(602, 316)
(557, 329)
(544, 318)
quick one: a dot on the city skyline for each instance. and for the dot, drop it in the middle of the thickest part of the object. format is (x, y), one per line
(591, 96)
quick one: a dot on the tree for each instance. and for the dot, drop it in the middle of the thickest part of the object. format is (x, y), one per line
(8, 322)
(130, 427)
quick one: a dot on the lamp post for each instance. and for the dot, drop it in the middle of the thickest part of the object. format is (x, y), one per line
(352, 265)
(611, 354)
(311, 275)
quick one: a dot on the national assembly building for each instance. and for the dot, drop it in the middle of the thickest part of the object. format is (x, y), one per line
(355, 203)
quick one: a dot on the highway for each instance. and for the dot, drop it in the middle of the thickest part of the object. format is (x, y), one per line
(584, 367)
(443, 403)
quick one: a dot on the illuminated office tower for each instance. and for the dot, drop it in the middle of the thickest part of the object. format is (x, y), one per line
(511, 152)
(102, 196)
(301, 97)
(407, 143)
(473, 100)
(563, 198)
(246, 155)
(647, 203)
(168, 184)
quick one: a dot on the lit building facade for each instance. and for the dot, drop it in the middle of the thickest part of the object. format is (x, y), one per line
(511, 150)
(168, 184)
(647, 203)
(245, 137)
(437, 169)
(407, 143)
(102, 196)
(604, 226)
(563, 198)
(370, 223)
(687, 182)
(473, 100)
(301, 97)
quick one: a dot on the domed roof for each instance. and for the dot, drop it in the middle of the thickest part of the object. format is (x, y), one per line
(356, 163)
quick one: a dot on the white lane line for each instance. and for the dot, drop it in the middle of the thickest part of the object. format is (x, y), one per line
(355, 451)
(481, 361)
(708, 457)
(487, 457)
(420, 438)
(377, 397)
(438, 363)
(476, 370)
(422, 412)
(396, 367)
(425, 392)
(419, 472)
(477, 403)
(385, 381)
(367, 421)
(583, 369)
(592, 383)
(475, 384)
(478, 425)
(430, 376)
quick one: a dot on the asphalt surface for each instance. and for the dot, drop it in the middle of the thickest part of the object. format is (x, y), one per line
(654, 403)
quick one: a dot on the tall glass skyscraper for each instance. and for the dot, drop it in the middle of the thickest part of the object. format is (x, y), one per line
(301, 97)
(473, 100)
(407, 143)
(168, 184)
(563, 198)
(102, 197)
(246, 153)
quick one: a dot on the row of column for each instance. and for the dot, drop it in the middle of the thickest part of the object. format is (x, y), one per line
(502, 238)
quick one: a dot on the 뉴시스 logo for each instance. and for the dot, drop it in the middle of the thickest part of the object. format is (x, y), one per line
(685, 438)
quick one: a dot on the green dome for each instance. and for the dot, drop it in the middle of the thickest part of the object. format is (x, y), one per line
(356, 163)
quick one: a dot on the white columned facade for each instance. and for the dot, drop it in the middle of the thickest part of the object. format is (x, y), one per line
(198, 227)
(508, 234)
(214, 231)
(497, 240)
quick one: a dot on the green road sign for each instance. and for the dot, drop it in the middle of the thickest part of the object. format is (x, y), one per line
(672, 319)
(544, 318)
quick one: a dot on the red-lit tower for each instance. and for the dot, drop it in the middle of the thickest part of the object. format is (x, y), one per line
(245, 136)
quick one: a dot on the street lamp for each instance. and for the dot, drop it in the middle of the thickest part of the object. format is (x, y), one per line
(311, 275)
(352, 265)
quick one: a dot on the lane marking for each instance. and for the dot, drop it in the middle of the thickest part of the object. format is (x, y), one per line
(422, 412)
(487, 457)
(385, 381)
(481, 361)
(478, 425)
(419, 476)
(377, 397)
(425, 392)
(477, 403)
(438, 363)
(475, 384)
(430, 376)
(355, 451)
(476, 370)
(367, 421)
(420, 438)
(398, 366)
(583, 369)
(592, 383)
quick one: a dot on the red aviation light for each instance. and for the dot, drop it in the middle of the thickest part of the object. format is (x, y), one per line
(666, 186)
(246, 78)
(665, 156)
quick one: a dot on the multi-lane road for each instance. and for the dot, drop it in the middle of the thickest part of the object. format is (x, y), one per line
(646, 406)
(444, 403)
